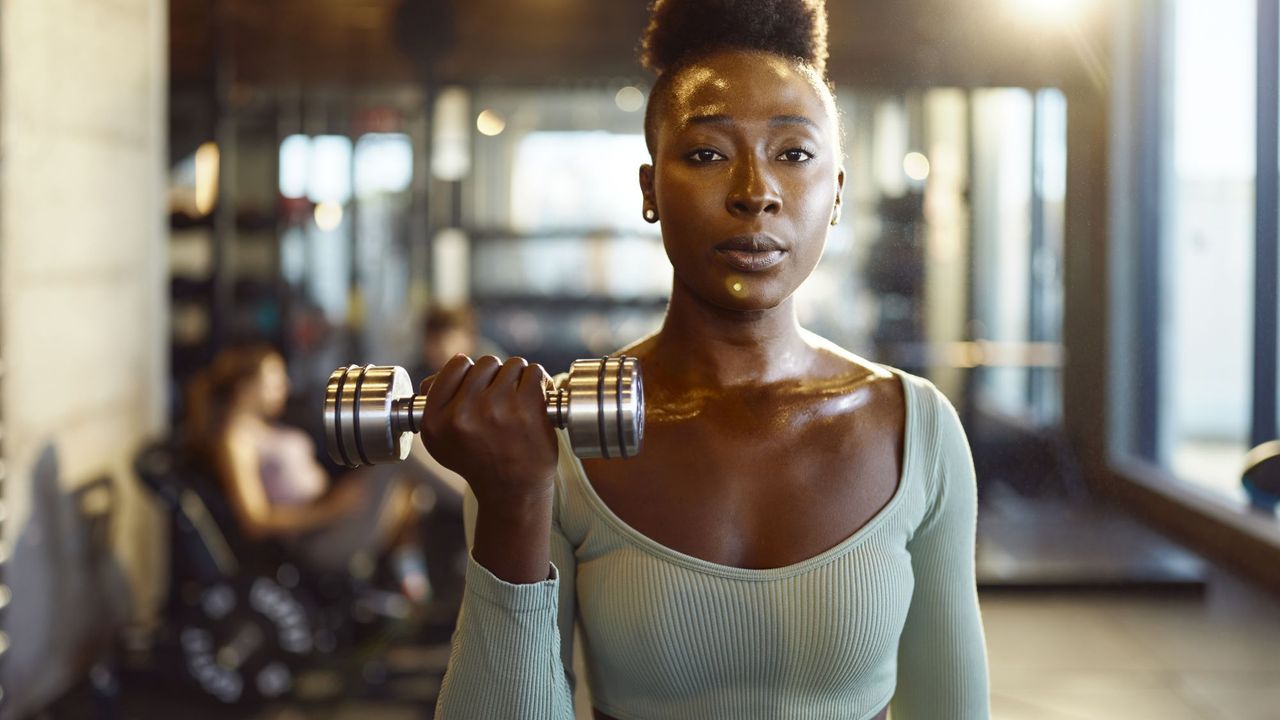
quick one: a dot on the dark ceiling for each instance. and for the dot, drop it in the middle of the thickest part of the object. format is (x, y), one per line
(359, 42)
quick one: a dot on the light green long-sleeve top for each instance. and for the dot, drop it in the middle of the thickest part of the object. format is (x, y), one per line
(889, 614)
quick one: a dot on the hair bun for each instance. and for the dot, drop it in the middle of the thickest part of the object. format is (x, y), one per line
(682, 29)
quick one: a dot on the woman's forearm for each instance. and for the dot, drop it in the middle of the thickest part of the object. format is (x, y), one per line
(290, 520)
(512, 538)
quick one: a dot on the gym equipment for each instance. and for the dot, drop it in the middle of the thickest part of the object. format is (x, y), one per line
(1261, 478)
(237, 624)
(242, 621)
(243, 640)
(371, 412)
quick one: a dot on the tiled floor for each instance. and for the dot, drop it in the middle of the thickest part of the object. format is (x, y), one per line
(1060, 657)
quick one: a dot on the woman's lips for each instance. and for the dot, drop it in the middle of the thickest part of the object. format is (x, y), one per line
(751, 261)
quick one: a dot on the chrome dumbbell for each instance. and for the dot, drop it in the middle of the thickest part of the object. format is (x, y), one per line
(371, 412)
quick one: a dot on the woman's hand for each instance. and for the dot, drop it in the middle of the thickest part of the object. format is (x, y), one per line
(347, 495)
(487, 421)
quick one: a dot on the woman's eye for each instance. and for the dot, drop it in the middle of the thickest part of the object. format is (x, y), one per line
(796, 155)
(704, 156)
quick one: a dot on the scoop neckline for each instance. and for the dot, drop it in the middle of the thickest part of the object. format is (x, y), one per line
(653, 547)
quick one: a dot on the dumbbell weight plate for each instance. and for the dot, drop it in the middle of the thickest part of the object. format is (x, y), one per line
(241, 641)
(605, 407)
(358, 402)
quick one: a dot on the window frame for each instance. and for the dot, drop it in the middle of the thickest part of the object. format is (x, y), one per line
(1119, 453)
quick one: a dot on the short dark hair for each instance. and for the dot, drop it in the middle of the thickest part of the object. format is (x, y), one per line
(441, 318)
(682, 31)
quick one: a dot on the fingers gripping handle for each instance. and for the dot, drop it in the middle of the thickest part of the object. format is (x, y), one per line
(371, 413)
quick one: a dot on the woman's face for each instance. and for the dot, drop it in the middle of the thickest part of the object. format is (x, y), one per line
(272, 386)
(746, 178)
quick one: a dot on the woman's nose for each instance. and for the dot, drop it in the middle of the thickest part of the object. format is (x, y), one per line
(753, 192)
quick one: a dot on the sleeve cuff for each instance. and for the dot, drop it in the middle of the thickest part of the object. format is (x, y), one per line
(526, 597)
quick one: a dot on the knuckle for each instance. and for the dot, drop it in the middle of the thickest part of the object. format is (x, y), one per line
(542, 373)
(467, 423)
(492, 413)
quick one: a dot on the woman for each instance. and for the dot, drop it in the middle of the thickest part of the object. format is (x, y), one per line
(275, 486)
(796, 537)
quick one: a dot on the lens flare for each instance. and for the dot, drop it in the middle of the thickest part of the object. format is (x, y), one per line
(1049, 12)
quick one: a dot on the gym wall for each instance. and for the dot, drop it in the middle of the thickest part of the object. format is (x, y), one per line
(83, 325)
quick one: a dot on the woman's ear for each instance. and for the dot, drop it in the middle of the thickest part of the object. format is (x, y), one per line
(649, 207)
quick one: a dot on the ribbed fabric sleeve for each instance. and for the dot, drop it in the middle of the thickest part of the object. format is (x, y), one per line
(942, 660)
(507, 659)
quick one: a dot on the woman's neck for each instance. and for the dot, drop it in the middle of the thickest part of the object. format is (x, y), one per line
(708, 346)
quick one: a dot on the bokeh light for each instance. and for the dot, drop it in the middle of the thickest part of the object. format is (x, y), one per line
(916, 166)
(629, 99)
(328, 215)
(490, 123)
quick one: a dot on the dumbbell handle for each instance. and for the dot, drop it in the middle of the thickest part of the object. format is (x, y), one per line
(407, 412)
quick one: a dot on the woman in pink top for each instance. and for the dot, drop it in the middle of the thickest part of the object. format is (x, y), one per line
(276, 487)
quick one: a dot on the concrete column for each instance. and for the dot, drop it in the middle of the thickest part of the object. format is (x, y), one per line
(83, 322)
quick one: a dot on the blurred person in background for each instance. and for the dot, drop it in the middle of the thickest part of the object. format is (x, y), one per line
(796, 536)
(279, 491)
(447, 331)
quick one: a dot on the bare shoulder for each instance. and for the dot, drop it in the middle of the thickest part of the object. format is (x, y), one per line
(235, 448)
(878, 385)
(872, 403)
(844, 363)
(638, 349)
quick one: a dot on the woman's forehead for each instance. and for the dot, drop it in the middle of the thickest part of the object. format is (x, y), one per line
(745, 87)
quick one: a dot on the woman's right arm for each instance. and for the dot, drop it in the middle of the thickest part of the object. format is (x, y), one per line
(487, 422)
(512, 651)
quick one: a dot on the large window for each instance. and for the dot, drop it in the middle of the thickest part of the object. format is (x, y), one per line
(1018, 192)
(1195, 297)
(1001, 238)
(1207, 243)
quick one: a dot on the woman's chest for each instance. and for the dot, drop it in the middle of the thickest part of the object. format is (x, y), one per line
(765, 496)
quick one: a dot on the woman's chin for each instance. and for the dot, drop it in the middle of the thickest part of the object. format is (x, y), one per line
(757, 302)
(738, 292)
